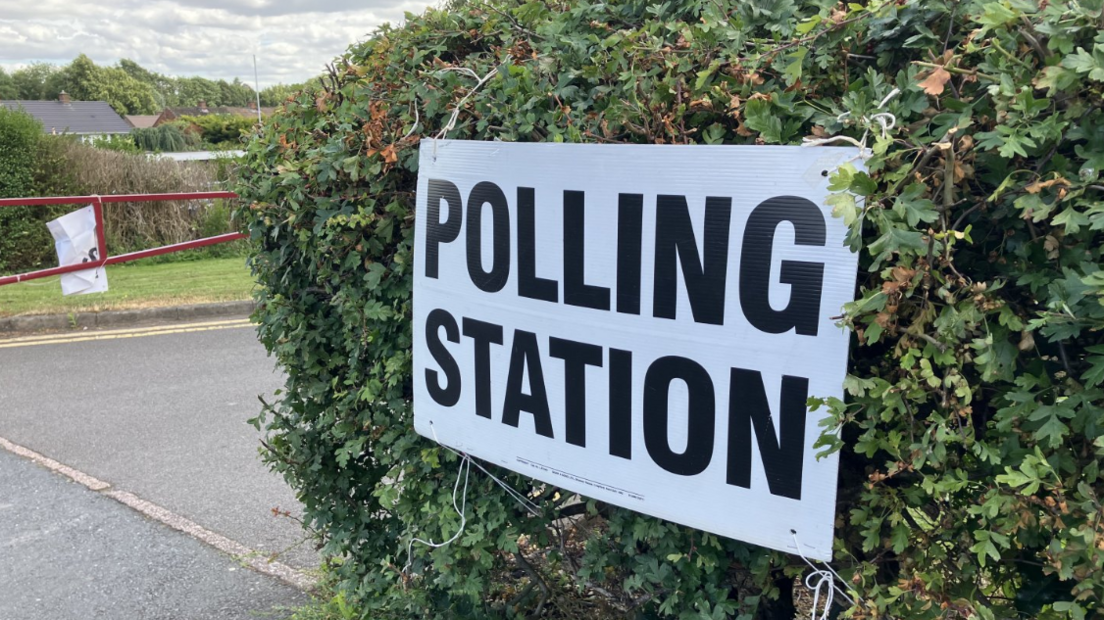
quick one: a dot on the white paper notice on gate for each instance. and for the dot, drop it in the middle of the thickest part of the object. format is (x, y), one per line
(76, 243)
(638, 324)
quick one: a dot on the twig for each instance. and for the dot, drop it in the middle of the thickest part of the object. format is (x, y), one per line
(966, 213)
(1009, 55)
(1030, 34)
(535, 576)
(956, 70)
(1065, 359)
(932, 341)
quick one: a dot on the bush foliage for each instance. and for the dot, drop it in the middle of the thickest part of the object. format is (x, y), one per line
(971, 435)
(34, 164)
(221, 129)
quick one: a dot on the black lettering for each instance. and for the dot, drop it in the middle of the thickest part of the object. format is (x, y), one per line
(630, 227)
(701, 412)
(576, 356)
(526, 355)
(620, 403)
(494, 280)
(705, 276)
(576, 291)
(483, 336)
(782, 453)
(438, 232)
(529, 285)
(449, 395)
(805, 279)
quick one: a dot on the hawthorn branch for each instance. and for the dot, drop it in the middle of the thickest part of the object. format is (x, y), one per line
(535, 576)
(932, 341)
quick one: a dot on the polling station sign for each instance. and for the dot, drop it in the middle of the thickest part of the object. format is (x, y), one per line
(638, 324)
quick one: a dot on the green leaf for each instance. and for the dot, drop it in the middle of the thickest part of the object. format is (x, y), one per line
(1072, 219)
(1095, 374)
(844, 206)
(1052, 432)
(760, 117)
(793, 68)
(912, 208)
(1086, 62)
(996, 14)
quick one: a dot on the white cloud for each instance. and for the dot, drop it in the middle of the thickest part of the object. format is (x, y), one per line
(293, 39)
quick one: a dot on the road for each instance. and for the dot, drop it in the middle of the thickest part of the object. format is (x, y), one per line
(158, 413)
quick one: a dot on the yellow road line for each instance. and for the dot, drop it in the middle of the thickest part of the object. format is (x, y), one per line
(112, 332)
(136, 334)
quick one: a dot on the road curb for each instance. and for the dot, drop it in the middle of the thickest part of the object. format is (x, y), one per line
(119, 318)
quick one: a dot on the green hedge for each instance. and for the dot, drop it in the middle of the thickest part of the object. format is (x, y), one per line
(30, 165)
(971, 436)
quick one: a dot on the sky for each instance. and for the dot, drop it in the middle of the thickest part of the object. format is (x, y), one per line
(293, 39)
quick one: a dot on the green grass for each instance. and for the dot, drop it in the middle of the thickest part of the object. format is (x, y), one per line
(137, 285)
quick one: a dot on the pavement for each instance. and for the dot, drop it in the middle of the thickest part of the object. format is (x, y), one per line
(67, 552)
(156, 415)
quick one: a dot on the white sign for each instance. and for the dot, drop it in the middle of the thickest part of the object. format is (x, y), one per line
(76, 243)
(638, 324)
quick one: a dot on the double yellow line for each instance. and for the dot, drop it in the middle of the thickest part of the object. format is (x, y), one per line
(117, 334)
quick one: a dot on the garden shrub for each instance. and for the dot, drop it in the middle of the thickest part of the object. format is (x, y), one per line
(167, 138)
(221, 129)
(971, 436)
(26, 160)
(64, 166)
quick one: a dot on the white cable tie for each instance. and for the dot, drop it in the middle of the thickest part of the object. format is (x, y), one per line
(820, 579)
(463, 472)
(885, 120)
(525, 502)
(893, 93)
(417, 119)
(460, 105)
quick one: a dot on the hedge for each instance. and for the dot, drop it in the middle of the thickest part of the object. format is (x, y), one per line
(973, 428)
(29, 166)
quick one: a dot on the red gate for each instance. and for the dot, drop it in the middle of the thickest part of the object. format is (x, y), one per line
(97, 203)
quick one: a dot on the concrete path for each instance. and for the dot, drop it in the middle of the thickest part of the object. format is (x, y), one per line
(159, 414)
(69, 553)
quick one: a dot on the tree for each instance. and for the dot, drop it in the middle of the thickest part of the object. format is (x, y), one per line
(164, 87)
(38, 81)
(8, 89)
(277, 94)
(85, 81)
(235, 94)
(191, 91)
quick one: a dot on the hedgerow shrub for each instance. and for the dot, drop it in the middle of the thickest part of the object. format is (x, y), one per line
(222, 129)
(971, 435)
(167, 138)
(26, 159)
(63, 166)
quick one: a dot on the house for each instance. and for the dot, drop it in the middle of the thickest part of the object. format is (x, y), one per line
(142, 121)
(87, 119)
(171, 114)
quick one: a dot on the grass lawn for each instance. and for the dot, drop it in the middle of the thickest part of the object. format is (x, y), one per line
(137, 285)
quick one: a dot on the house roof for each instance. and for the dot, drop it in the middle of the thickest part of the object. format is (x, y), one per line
(198, 111)
(76, 117)
(142, 121)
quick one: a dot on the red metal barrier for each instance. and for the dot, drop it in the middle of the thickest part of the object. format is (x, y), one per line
(97, 203)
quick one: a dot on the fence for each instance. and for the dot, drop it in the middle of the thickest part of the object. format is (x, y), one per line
(97, 203)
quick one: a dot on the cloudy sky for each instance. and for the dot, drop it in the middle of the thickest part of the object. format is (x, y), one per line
(293, 39)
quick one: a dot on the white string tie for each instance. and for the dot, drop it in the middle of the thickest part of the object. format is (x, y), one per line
(461, 505)
(460, 105)
(822, 582)
(461, 509)
(885, 121)
(417, 119)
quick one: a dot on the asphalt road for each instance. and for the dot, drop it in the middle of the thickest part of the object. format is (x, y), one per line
(68, 553)
(160, 416)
